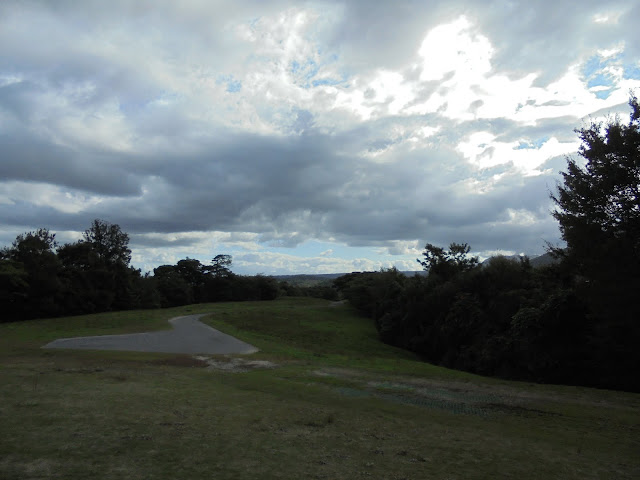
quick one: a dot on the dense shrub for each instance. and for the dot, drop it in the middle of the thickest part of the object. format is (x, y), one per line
(39, 278)
(504, 318)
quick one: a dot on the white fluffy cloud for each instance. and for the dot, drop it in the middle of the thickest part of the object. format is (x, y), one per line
(261, 128)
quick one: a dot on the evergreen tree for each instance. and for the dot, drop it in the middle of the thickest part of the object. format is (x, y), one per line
(598, 208)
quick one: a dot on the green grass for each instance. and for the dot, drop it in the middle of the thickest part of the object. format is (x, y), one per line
(303, 328)
(340, 405)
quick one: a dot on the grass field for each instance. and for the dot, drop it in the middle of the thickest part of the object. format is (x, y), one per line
(338, 405)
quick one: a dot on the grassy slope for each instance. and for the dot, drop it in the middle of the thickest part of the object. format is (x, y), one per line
(340, 405)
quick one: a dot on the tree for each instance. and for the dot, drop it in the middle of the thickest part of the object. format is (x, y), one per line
(219, 281)
(32, 245)
(104, 255)
(602, 198)
(87, 286)
(599, 203)
(447, 264)
(14, 289)
(598, 209)
(31, 261)
(220, 266)
(191, 271)
(109, 242)
(172, 287)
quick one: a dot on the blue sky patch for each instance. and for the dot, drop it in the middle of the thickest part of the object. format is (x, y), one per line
(532, 144)
(632, 71)
(594, 72)
(326, 81)
(604, 94)
(593, 65)
(595, 75)
(233, 85)
(304, 71)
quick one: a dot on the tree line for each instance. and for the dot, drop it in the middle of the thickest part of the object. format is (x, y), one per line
(575, 322)
(40, 278)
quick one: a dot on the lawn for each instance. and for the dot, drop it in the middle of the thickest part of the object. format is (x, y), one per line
(338, 405)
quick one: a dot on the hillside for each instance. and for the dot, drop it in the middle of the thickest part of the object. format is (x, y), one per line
(334, 403)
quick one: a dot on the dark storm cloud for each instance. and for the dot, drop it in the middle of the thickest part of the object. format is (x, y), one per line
(243, 180)
(31, 217)
(440, 214)
(301, 185)
(157, 242)
(31, 159)
(298, 185)
(278, 186)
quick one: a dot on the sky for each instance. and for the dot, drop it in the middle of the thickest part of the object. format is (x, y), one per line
(303, 137)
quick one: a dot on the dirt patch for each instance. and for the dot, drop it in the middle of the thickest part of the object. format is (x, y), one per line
(234, 364)
(455, 397)
(182, 361)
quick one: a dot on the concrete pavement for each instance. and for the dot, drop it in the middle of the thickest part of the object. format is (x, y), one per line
(189, 335)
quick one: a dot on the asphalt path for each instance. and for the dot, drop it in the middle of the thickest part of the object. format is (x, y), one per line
(189, 335)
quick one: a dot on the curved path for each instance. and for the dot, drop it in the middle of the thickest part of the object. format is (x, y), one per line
(189, 335)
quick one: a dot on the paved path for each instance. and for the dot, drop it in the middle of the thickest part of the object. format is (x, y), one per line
(189, 335)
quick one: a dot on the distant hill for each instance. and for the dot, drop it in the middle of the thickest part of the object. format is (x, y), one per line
(310, 280)
(313, 279)
(543, 260)
(508, 257)
(539, 261)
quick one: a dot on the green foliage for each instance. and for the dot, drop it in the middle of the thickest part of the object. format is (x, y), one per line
(109, 242)
(31, 246)
(32, 275)
(551, 339)
(446, 264)
(220, 266)
(96, 271)
(191, 282)
(602, 198)
(598, 209)
(14, 287)
(599, 203)
(173, 288)
(503, 319)
(258, 287)
(38, 278)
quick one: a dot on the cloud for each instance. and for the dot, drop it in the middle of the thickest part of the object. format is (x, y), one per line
(277, 263)
(256, 127)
